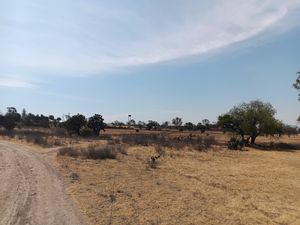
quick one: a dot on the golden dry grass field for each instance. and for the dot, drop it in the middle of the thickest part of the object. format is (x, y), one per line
(216, 186)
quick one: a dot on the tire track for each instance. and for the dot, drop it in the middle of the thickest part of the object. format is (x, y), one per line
(31, 191)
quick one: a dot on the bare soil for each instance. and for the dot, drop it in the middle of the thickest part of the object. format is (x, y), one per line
(31, 191)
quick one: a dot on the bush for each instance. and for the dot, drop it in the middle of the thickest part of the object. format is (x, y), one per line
(94, 152)
(209, 141)
(140, 139)
(37, 139)
(235, 144)
(86, 132)
(68, 151)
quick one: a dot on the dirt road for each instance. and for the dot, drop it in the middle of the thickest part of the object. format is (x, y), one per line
(31, 191)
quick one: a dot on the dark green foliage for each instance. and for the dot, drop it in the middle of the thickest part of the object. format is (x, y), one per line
(189, 126)
(86, 132)
(165, 124)
(206, 123)
(96, 123)
(296, 85)
(201, 127)
(235, 144)
(152, 125)
(10, 120)
(32, 120)
(251, 120)
(75, 123)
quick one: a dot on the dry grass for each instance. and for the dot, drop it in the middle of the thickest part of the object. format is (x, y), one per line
(189, 187)
(185, 186)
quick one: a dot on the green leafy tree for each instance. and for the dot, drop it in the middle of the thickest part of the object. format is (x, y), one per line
(131, 122)
(165, 124)
(96, 123)
(141, 124)
(189, 126)
(10, 120)
(297, 84)
(152, 125)
(201, 127)
(250, 120)
(206, 123)
(297, 87)
(75, 123)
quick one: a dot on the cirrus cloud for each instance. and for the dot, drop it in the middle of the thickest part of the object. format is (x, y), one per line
(86, 37)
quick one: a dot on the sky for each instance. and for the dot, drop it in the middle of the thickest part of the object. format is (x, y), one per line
(154, 60)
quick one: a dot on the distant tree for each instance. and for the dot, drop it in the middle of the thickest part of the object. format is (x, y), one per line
(165, 124)
(131, 122)
(177, 122)
(75, 123)
(118, 124)
(10, 120)
(289, 130)
(11, 110)
(250, 120)
(189, 126)
(297, 84)
(51, 118)
(24, 113)
(297, 87)
(206, 123)
(152, 125)
(1, 120)
(96, 123)
(141, 124)
(201, 127)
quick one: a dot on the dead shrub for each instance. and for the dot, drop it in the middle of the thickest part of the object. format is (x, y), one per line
(37, 139)
(68, 151)
(208, 141)
(94, 152)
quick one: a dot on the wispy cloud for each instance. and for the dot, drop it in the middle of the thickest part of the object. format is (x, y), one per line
(14, 83)
(85, 37)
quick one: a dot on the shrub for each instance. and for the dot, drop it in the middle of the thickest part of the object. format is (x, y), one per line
(68, 151)
(94, 152)
(37, 139)
(235, 144)
(86, 132)
(208, 141)
(137, 139)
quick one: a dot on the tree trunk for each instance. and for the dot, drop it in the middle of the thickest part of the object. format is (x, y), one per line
(253, 138)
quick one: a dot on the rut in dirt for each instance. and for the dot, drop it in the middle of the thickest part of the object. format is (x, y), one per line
(31, 191)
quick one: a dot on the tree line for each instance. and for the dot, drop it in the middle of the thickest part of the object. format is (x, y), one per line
(248, 120)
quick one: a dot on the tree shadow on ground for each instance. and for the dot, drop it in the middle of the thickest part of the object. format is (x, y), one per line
(280, 147)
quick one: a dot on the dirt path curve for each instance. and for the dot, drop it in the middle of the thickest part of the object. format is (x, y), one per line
(31, 191)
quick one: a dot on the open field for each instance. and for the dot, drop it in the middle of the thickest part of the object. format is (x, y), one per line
(216, 186)
(188, 184)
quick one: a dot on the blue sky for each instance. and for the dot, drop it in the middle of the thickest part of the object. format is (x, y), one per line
(153, 59)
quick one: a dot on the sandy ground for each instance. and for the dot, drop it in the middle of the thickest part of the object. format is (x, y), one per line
(31, 191)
